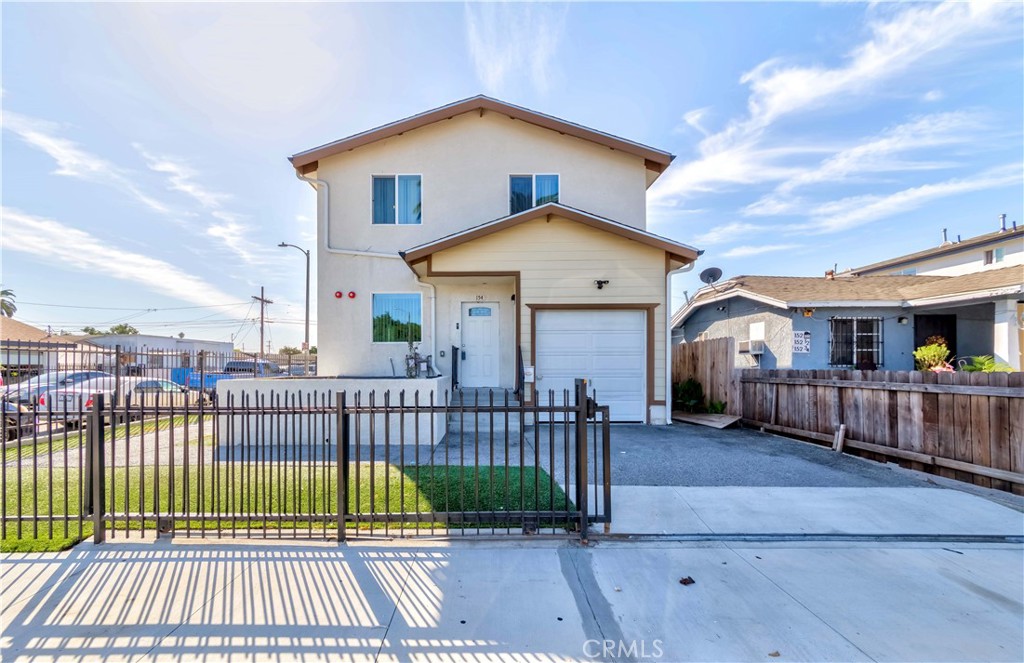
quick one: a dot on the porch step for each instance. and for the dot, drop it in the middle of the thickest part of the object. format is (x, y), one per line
(465, 421)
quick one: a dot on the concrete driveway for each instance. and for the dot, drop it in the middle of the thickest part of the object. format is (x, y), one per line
(692, 480)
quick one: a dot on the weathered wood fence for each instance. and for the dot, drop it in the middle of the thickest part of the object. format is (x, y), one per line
(710, 363)
(966, 426)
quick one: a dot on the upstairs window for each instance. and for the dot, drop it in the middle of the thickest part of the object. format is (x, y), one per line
(993, 256)
(526, 191)
(397, 200)
(855, 342)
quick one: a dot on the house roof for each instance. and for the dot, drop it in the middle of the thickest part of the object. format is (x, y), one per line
(805, 291)
(678, 251)
(15, 330)
(943, 249)
(654, 159)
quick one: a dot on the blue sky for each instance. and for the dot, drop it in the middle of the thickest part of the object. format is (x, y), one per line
(144, 146)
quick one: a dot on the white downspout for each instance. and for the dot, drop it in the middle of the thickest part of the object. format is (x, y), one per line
(668, 337)
(316, 183)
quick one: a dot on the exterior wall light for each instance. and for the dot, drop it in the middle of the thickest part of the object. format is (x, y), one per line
(903, 320)
(601, 283)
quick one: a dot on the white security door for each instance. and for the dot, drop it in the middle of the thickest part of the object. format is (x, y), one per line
(608, 348)
(479, 362)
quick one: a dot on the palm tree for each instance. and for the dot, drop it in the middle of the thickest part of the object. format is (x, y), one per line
(7, 307)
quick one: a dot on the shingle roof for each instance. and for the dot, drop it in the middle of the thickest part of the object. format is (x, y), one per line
(15, 330)
(785, 291)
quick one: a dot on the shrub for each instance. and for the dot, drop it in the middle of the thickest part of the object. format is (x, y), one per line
(716, 407)
(932, 357)
(689, 395)
(986, 364)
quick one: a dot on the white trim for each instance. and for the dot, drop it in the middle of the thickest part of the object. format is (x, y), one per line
(849, 303)
(395, 292)
(967, 296)
(680, 316)
(395, 177)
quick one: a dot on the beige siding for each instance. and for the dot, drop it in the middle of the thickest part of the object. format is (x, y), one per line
(558, 262)
(465, 164)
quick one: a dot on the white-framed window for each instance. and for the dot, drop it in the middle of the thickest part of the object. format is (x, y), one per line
(397, 200)
(855, 342)
(526, 191)
(397, 317)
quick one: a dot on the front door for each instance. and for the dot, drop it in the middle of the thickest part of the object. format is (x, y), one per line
(479, 359)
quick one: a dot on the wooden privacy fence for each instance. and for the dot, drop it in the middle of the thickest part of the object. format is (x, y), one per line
(708, 362)
(965, 426)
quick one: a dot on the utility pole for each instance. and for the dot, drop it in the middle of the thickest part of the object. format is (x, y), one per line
(263, 305)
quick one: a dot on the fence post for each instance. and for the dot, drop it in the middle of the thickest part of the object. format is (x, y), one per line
(342, 456)
(97, 487)
(581, 456)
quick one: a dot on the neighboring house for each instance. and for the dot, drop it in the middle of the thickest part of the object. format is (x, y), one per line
(858, 321)
(484, 233)
(145, 351)
(996, 250)
(26, 350)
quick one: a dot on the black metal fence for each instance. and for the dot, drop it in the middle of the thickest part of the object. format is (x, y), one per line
(284, 462)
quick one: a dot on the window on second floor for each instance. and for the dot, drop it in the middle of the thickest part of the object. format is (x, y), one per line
(526, 191)
(397, 200)
(995, 255)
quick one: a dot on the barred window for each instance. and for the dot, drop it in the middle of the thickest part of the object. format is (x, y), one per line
(855, 342)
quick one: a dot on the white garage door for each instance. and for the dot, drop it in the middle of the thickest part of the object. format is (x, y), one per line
(606, 347)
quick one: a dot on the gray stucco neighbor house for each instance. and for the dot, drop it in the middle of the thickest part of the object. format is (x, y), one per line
(856, 321)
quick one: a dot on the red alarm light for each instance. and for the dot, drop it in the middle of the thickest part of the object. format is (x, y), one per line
(351, 295)
(338, 294)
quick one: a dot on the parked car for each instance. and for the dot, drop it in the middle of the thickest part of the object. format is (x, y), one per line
(240, 368)
(132, 395)
(27, 392)
(19, 421)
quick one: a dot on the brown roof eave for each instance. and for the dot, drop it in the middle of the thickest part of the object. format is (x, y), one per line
(654, 159)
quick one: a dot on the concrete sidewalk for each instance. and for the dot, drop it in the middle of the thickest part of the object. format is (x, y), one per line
(508, 601)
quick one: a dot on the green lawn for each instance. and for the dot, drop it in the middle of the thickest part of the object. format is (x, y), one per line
(45, 442)
(252, 489)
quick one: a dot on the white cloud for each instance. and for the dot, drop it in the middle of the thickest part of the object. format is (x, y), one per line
(933, 96)
(240, 65)
(908, 40)
(514, 44)
(72, 160)
(694, 119)
(181, 178)
(70, 248)
(756, 250)
(879, 154)
(728, 232)
(856, 211)
(229, 228)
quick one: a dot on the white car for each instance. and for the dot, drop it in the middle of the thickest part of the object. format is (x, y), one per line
(76, 402)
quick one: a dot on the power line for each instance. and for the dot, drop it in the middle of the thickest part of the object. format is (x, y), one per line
(137, 308)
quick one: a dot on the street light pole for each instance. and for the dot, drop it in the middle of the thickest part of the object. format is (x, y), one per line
(305, 344)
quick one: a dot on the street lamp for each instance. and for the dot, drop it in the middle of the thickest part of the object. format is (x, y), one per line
(305, 345)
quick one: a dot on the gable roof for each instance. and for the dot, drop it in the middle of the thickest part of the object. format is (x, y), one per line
(807, 291)
(941, 250)
(678, 251)
(654, 159)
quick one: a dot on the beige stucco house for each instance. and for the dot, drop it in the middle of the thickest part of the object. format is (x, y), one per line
(504, 243)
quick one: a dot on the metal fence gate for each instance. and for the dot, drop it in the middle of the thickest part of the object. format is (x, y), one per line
(289, 464)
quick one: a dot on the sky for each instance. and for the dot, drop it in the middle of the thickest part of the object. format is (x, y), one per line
(144, 146)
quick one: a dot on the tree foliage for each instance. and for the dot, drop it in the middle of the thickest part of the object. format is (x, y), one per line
(7, 306)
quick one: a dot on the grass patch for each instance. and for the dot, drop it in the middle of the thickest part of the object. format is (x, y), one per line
(62, 440)
(275, 488)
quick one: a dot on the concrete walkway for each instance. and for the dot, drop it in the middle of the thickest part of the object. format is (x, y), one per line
(509, 601)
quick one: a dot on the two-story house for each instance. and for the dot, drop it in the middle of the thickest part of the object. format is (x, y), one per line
(494, 237)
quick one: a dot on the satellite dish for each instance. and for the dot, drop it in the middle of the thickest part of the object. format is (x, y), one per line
(710, 275)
